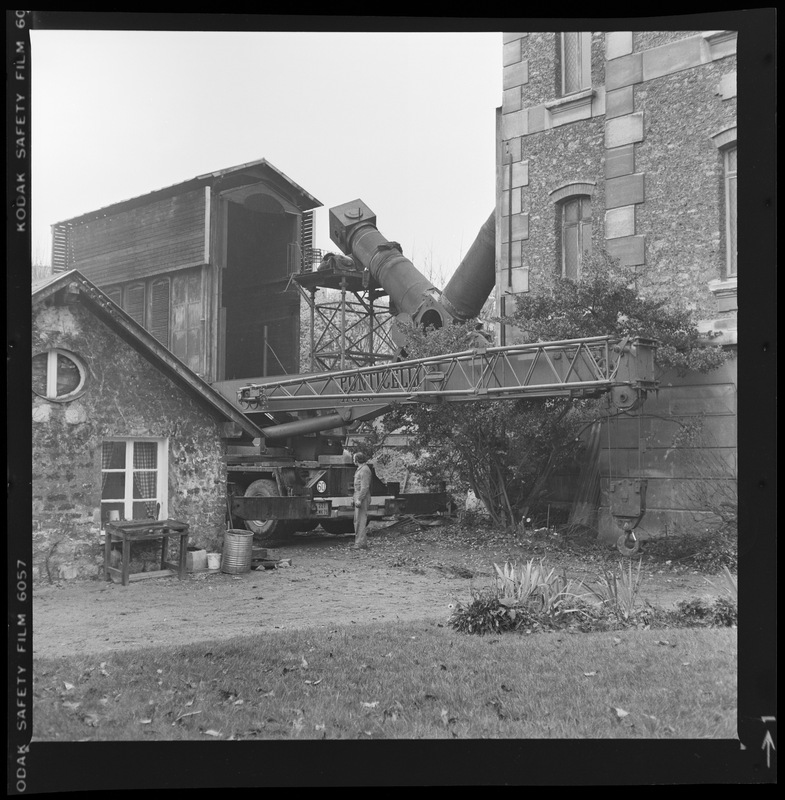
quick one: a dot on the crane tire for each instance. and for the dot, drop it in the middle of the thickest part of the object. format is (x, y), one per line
(266, 531)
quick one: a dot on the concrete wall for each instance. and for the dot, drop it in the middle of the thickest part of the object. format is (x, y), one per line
(124, 396)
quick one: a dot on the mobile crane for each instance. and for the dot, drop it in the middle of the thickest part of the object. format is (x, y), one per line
(302, 494)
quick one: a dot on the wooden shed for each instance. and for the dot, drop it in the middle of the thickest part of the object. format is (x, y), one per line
(204, 266)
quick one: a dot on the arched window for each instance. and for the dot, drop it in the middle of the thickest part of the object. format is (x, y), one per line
(575, 235)
(58, 375)
(574, 228)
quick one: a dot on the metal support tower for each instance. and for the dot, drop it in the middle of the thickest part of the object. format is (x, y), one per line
(350, 319)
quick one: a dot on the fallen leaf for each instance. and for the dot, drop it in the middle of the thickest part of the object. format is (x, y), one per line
(589, 674)
(239, 702)
(145, 721)
(620, 712)
(616, 640)
(92, 720)
(319, 727)
(68, 686)
(183, 716)
(303, 664)
(211, 732)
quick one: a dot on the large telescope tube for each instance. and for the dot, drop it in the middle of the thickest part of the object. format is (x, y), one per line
(473, 281)
(353, 229)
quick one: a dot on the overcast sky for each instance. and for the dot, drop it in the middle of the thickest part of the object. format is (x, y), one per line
(404, 121)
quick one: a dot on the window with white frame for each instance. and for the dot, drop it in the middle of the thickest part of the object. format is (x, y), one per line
(575, 61)
(58, 375)
(575, 235)
(133, 479)
(729, 163)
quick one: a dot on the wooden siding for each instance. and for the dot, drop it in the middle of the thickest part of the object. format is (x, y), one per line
(140, 242)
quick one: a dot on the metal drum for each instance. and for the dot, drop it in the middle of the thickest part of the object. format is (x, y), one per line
(237, 552)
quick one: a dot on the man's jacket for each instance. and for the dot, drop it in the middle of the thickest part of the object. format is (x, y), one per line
(362, 483)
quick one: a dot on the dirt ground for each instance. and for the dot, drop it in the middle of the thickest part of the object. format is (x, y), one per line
(412, 570)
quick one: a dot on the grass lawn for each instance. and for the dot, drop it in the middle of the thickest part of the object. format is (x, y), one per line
(403, 681)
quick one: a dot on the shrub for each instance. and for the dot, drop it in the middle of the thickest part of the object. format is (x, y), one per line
(617, 591)
(728, 585)
(723, 612)
(529, 595)
(693, 612)
(487, 614)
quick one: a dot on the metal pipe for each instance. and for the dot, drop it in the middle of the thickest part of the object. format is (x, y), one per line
(473, 281)
(325, 422)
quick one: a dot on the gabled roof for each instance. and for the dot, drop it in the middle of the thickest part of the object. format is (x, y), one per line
(304, 200)
(143, 342)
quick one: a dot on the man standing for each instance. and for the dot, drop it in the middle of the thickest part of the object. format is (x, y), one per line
(362, 499)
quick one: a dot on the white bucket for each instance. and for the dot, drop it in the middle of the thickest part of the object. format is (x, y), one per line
(213, 561)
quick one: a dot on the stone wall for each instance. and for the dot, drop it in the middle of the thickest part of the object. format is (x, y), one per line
(645, 144)
(682, 216)
(124, 396)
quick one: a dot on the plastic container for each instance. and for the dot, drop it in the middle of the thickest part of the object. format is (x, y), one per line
(237, 552)
(213, 561)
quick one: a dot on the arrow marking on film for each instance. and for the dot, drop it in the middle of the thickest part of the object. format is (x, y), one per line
(768, 743)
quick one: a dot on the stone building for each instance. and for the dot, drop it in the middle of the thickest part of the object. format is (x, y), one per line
(119, 424)
(204, 265)
(626, 141)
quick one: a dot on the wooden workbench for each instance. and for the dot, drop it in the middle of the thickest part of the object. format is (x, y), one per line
(128, 532)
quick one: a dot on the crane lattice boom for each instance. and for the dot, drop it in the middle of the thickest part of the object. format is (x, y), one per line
(574, 367)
